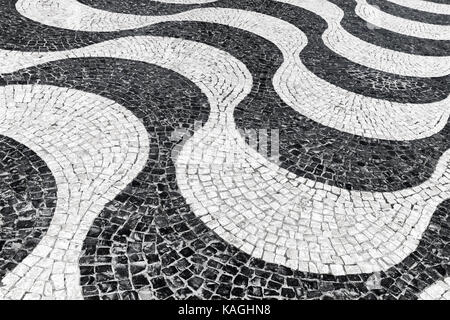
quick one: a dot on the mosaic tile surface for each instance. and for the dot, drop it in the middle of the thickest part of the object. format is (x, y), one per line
(253, 149)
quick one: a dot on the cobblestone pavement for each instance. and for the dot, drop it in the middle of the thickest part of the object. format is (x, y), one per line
(223, 149)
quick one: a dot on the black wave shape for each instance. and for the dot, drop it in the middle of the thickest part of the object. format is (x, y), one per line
(20, 33)
(388, 39)
(142, 7)
(138, 251)
(344, 73)
(147, 243)
(27, 202)
(409, 13)
(351, 22)
(317, 57)
(23, 34)
(308, 148)
(145, 7)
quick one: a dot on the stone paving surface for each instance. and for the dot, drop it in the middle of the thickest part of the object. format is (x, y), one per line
(255, 149)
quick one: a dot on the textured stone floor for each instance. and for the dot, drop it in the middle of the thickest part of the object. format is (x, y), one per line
(224, 149)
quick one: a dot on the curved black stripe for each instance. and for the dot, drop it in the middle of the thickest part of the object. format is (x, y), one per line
(344, 73)
(137, 251)
(20, 33)
(142, 7)
(147, 243)
(409, 13)
(145, 7)
(148, 240)
(23, 34)
(27, 202)
(307, 148)
(318, 58)
(388, 39)
(351, 22)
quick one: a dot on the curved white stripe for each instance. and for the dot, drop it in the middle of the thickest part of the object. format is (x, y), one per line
(271, 214)
(426, 6)
(328, 229)
(94, 148)
(367, 54)
(438, 291)
(301, 89)
(70, 14)
(349, 232)
(396, 24)
(67, 130)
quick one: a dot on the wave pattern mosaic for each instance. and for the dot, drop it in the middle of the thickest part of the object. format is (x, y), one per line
(223, 149)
